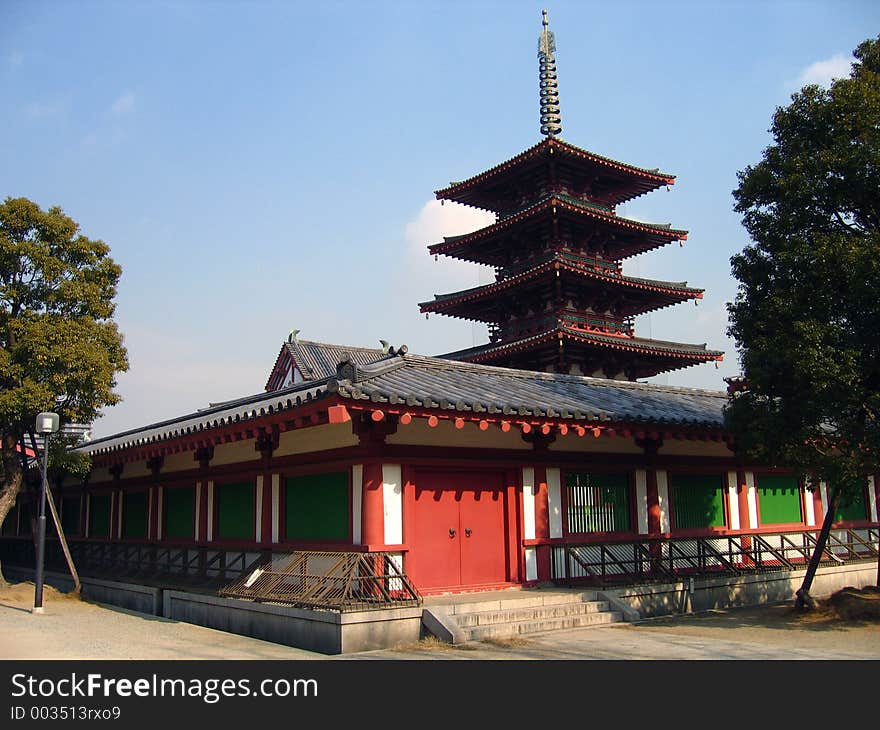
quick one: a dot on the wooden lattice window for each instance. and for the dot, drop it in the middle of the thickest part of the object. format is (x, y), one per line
(697, 500)
(597, 502)
(855, 509)
(235, 510)
(134, 515)
(317, 507)
(180, 513)
(99, 515)
(779, 500)
(70, 514)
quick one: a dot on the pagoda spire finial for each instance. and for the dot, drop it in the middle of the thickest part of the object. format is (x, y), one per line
(551, 121)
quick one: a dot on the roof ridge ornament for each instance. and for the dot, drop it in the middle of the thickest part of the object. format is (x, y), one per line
(551, 121)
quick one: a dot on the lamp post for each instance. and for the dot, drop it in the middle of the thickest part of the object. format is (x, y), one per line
(47, 424)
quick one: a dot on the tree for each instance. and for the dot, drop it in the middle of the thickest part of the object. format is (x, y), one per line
(806, 318)
(59, 348)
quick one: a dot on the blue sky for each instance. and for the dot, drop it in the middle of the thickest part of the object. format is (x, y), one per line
(257, 167)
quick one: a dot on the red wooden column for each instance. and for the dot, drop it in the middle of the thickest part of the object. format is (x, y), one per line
(542, 523)
(203, 456)
(742, 491)
(154, 464)
(203, 510)
(83, 513)
(153, 527)
(266, 516)
(372, 507)
(115, 502)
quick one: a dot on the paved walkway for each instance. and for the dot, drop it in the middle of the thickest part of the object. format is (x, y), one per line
(73, 629)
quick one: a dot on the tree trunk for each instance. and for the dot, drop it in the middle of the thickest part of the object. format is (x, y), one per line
(803, 598)
(10, 487)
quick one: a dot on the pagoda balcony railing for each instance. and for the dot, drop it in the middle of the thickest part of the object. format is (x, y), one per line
(653, 559)
(585, 323)
(587, 263)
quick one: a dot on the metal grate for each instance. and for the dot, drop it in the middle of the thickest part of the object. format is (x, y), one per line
(337, 581)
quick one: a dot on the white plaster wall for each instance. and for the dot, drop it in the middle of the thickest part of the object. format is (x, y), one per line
(823, 490)
(642, 500)
(591, 445)
(554, 499)
(531, 556)
(392, 498)
(357, 486)
(258, 512)
(663, 498)
(198, 511)
(686, 447)
(182, 461)
(733, 500)
(315, 438)
(809, 507)
(235, 452)
(395, 584)
(528, 477)
(752, 499)
(276, 506)
(872, 499)
(210, 511)
(149, 512)
(160, 521)
(446, 434)
(99, 476)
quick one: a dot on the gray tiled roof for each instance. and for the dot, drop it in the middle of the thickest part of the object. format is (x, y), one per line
(248, 408)
(432, 382)
(436, 383)
(545, 264)
(318, 360)
(682, 349)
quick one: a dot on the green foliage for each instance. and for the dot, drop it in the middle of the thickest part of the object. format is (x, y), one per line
(59, 348)
(806, 319)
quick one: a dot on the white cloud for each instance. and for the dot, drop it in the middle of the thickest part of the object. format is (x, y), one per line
(418, 277)
(433, 222)
(16, 58)
(823, 72)
(437, 219)
(123, 105)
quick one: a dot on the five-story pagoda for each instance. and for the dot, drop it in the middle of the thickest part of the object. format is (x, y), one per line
(560, 301)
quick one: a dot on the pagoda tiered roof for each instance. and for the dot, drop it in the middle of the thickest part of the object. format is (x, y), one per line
(638, 295)
(491, 245)
(653, 356)
(610, 181)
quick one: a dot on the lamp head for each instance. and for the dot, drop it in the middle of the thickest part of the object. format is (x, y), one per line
(47, 423)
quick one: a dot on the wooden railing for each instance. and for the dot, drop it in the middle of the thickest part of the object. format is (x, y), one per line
(652, 559)
(200, 566)
(339, 581)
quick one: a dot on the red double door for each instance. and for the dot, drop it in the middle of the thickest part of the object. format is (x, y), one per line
(457, 530)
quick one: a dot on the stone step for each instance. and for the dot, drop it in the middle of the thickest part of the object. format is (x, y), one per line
(535, 613)
(512, 601)
(518, 628)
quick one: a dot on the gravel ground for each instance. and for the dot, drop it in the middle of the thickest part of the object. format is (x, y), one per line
(75, 629)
